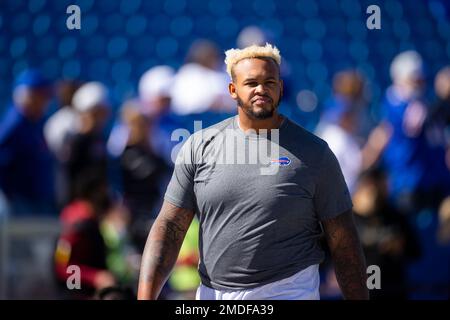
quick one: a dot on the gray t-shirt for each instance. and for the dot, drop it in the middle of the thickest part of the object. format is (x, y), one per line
(257, 226)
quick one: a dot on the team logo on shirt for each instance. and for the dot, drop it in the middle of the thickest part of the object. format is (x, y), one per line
(283, 161)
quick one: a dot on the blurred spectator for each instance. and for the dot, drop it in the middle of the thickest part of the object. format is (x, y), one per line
(387, 239)
(4, 208)
(87, 148)
(440, 116)
(58, 129)
(154, 90)
(443, 233)
(439, 134)
(252, 35)
(155, 103)
(154, 93)
(81, 242)
(184, 279)
(418, 176)
(142, 173)
(341, 120)
(63, 122)
(121, 258)
(4, 213)
(200, 85)
(23, 149)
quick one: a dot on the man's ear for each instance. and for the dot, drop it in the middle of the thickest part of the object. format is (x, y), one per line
(232, 90)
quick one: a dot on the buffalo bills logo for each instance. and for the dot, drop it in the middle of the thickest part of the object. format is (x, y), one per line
(283, 161)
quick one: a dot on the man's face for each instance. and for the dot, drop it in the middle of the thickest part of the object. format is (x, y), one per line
(257, 87)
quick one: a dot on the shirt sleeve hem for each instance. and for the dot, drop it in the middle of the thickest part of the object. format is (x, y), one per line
(177, 202)
(348, 206)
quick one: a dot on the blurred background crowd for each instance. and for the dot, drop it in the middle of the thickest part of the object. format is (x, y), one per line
(86, 118)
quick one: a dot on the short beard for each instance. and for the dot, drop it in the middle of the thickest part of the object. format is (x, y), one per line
(261, 115)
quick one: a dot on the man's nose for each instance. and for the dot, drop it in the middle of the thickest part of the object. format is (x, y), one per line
(261, 89)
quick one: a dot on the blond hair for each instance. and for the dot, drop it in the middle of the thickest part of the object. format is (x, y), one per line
(233, 56)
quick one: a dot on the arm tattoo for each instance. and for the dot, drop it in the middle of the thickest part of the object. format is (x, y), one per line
(347, 255)
(162, 248)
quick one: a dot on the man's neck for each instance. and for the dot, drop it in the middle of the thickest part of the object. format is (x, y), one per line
(247, 123)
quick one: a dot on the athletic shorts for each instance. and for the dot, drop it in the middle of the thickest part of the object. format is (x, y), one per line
(303, 285)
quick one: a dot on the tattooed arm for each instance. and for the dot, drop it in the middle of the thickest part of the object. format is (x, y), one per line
(162, 248)
(347, 255)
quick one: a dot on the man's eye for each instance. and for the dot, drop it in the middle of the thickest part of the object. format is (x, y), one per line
(252, 84)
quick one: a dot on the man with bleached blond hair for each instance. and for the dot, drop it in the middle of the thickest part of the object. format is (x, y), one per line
(259, 229)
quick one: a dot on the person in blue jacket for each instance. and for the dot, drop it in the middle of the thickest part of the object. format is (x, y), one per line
(25, 162)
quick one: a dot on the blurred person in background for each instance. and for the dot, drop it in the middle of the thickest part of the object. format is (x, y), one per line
(154, 90)
(341, 127)
(443, 232)
(201, 70)
(418, 176)
(387, 239)
(155, 95)
(184, 279)
(4, 214)
(440, 120)
(341, 121)
(142, 172)
(122, 259)
(251, 35)
(153, 102)
(58, 130)
(440, 116)
(26, 171)
(81, 242)
(4, 208)
(63, 122)
(86, 150)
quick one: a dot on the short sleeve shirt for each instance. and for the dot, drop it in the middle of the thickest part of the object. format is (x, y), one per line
(259, 199)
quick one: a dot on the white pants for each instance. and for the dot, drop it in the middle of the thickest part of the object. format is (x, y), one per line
(303, 285)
